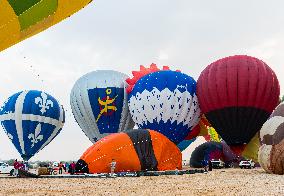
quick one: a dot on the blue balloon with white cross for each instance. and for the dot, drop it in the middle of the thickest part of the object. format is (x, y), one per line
(31, 119)
(165, 101)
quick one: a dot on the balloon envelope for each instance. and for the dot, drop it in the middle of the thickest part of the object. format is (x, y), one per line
(279, 110)
(184, 144)
(99, 104)
(237, 95)
(271, 153)
(165, 101)
(20, 19)
(206, 152)
(135, 150)
(31, 119)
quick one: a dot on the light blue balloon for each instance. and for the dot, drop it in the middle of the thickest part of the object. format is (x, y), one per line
(99, 104)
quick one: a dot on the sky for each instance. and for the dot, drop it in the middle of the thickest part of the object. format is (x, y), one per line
(121, 35)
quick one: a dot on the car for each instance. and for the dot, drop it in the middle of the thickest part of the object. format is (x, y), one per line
(6, 169)
(248, 164)
(217, 163)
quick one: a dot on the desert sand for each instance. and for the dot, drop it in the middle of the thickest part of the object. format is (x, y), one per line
(217, 182)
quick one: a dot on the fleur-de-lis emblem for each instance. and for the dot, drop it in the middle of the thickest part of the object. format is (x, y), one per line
(43, 102)
(36, 137)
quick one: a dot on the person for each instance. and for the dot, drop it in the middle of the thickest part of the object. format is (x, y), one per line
(21, 165)
(66, 167)
(50, 169)
(72, 166)
(210, 165)
(16, 167)
(26, 166)
(176, 171)
(204, 163)
(60, 167)
(112, 167)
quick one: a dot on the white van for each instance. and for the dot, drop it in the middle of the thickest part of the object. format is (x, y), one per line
(6, 169)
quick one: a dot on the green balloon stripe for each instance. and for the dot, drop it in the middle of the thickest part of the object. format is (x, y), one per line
(37, 13)
(21, 6)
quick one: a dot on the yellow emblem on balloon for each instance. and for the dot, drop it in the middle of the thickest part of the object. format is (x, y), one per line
(106, 104)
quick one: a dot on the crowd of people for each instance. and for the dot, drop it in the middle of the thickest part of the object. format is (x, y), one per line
(54, 168)
(60, 168)
(19, 165)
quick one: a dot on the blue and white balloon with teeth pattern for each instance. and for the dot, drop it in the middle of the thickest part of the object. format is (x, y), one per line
(165, 101)
(31, 119)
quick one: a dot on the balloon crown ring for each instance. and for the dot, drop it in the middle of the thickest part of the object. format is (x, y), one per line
(137, 75)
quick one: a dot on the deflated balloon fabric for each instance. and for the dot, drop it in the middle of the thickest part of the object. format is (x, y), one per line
(134, 150)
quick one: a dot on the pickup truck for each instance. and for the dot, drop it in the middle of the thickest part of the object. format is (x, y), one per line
(6, 169)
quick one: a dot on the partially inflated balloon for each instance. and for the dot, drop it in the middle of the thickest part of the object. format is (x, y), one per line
(31, 119)
(185, 143)
(20, 19)
(201, 129)
(135, 150)
(237, 95)
(99, 104)
(164, 101)
(279, 110)
(271, 152)
(250, 151)
(229, 155)
(205, 152)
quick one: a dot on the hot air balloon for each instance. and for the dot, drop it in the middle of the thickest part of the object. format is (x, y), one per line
(135, 150)
(25, 18)
(99, 104)
(271, 152)
(229, 156)
(279, 110)
(206, 151)
(237, 94)
(31, 119)
(201, 129)
(164, 101)
(185, 143)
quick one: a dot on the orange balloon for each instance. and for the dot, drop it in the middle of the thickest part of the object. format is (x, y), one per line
(136, 150)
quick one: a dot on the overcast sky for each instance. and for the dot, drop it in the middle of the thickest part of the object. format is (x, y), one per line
(122, 34)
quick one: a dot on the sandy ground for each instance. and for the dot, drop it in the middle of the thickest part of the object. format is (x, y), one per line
(225, 182)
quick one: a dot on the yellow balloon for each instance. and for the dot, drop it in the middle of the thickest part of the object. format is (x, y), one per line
(251, 149)
(213, 135)
(20, 19)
